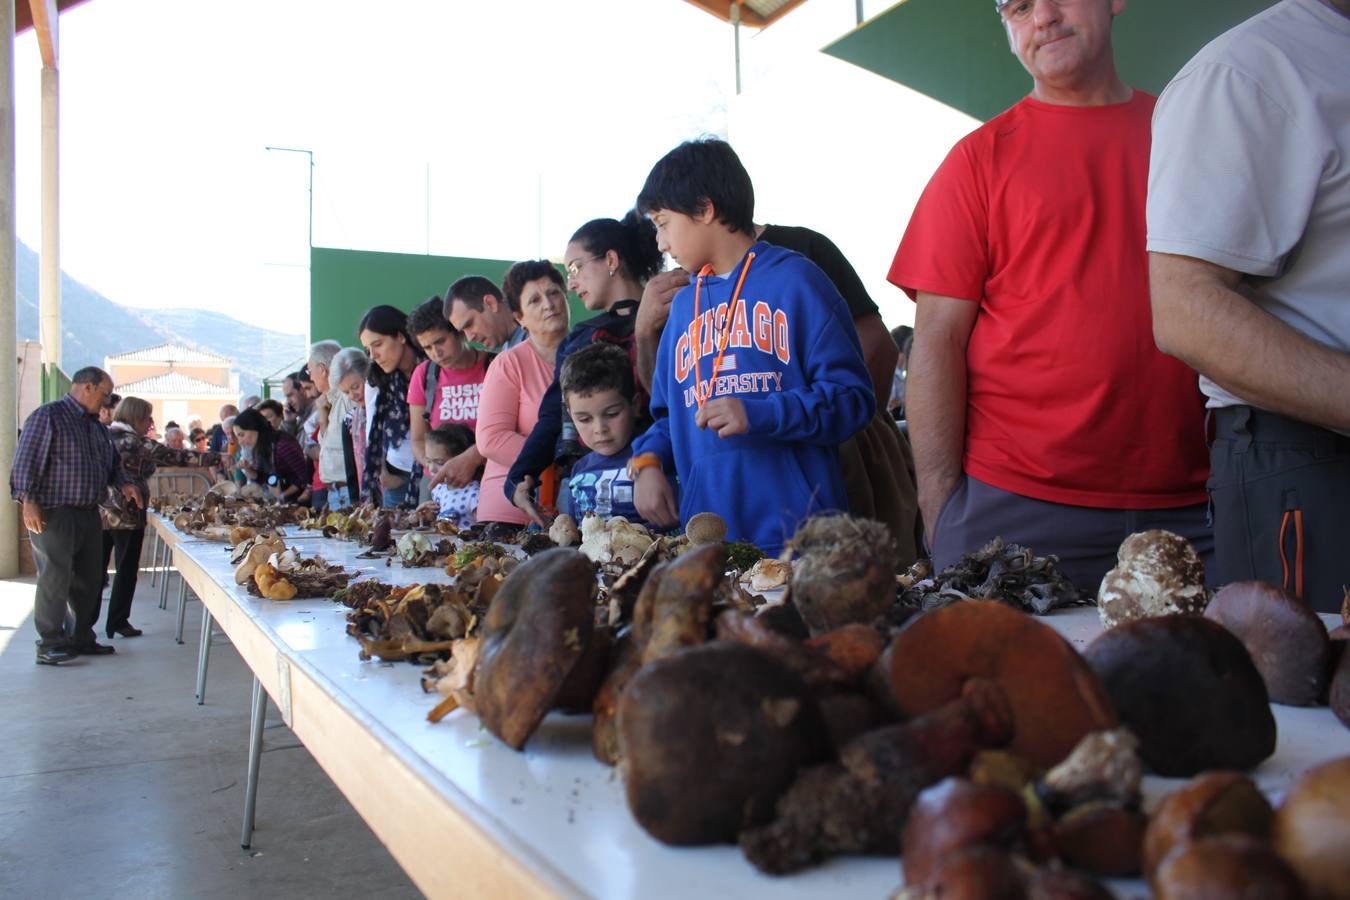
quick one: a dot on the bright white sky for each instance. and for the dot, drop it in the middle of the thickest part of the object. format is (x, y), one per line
(489, 129)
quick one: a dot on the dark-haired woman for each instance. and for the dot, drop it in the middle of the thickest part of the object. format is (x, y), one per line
(517, 379)
(277, 462)
(124, 525)
(608, 261)
(391, 471)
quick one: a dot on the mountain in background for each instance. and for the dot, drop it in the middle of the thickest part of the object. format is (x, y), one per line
(95, 327)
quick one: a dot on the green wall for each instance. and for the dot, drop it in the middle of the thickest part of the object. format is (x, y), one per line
(956, 51)
(343, 284)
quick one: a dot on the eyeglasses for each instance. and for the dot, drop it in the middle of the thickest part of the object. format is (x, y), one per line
(1018, 10)
(574, 267)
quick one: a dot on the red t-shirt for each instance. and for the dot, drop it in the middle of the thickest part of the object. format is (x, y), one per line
(1038, 216)
(457, 392)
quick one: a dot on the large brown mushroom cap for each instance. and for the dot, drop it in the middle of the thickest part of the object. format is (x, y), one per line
(955, 814)
(1157, 573)
(1229, 866)
(1312, 830)
(1209, 805)
(536, 629)
(1188, 690)
(1055, 698)
(710, 737)
(1287, 641)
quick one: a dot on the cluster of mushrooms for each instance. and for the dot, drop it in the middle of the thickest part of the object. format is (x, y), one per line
(226, 513)
(842, 720)
(269, 569)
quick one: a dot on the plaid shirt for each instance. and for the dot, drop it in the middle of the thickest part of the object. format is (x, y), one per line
(64, 458)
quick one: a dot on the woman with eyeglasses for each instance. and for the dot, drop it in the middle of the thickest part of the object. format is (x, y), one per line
(516, 381)
(124, 524)
(608, 262)
(391, 471)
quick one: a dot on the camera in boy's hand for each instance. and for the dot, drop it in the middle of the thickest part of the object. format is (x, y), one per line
(725, 415)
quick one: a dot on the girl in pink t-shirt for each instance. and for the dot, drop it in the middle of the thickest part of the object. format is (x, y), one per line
(455, 396)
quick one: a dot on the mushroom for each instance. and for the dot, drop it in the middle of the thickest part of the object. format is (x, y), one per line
(1101, 838)
(1312, 829)
(767, 574)
(1188, 690)
(705, 528)
(1212, 804)
(953, 815)
(860, 803)
(1157, 573)
(1231, 865)
(596, 541)
(710, 737)
(1056, 700)
(534, 632)
(671, 612)
(1286, 639)
(1104, 766)
(563, 531)
(846, 571)
(1338, 691)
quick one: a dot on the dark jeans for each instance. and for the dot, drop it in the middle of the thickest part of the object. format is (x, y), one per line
(69, 554)
(1085, 538)
(1281, 492)
(127, 543)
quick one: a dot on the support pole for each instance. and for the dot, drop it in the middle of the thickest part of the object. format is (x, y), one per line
(49, 260)
(255, 740)
(859, 10)
(203, 655)
(9, 347)
(736, 37)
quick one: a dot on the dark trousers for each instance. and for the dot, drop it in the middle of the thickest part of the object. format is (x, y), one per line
(126, 544)
(1281, 494)
(1085, 538)
(69, 555)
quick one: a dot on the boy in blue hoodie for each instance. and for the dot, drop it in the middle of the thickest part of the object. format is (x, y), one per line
(759, 373)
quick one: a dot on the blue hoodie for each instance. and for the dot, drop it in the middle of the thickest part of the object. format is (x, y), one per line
(794, 360)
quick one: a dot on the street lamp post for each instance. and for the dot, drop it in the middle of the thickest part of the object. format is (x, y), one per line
(310, 154)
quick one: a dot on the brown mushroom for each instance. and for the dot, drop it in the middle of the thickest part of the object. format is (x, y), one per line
(953, 815)
(710, 737)
(1101, 838)
(671, 612)
(846, 572)
(1188, 690)
(1338, 685)
(1224, 867)
(1286, 639)
(976, 873)
(1055, 697)
(860, 803)
(1312, 830)
(1157, 573)
(1209, 805)
(705, 528)
(536, 629)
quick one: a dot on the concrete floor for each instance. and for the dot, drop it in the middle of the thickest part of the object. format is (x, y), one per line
(115, 783)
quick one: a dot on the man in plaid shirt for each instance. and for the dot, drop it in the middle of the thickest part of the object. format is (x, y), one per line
(64, 464)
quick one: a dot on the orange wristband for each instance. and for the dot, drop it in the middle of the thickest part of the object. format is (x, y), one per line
(640, 462)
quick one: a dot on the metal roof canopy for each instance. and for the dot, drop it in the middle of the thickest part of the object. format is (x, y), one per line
(956, 51)
(754, 13)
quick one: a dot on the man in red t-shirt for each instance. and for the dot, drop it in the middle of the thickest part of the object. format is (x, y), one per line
(1039, 408)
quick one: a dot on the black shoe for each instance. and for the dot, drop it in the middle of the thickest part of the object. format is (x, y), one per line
(126, 631)
(93, 649)
(54, 656)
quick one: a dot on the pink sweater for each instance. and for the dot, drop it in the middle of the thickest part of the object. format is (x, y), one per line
(507, 411)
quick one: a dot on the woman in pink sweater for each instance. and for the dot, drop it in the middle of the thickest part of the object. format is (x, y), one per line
(509, 405)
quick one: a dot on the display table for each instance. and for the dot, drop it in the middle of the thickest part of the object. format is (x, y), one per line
(466, 816)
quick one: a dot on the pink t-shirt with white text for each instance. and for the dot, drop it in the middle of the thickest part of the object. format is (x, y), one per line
(457, 393)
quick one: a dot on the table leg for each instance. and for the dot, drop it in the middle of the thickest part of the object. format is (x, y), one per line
(164, 584)
(182, 608)
(203, 655)
(154, 559)
(255, 735)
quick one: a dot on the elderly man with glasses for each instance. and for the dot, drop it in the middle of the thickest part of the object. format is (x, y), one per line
(63, 465)
(1038, 406)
